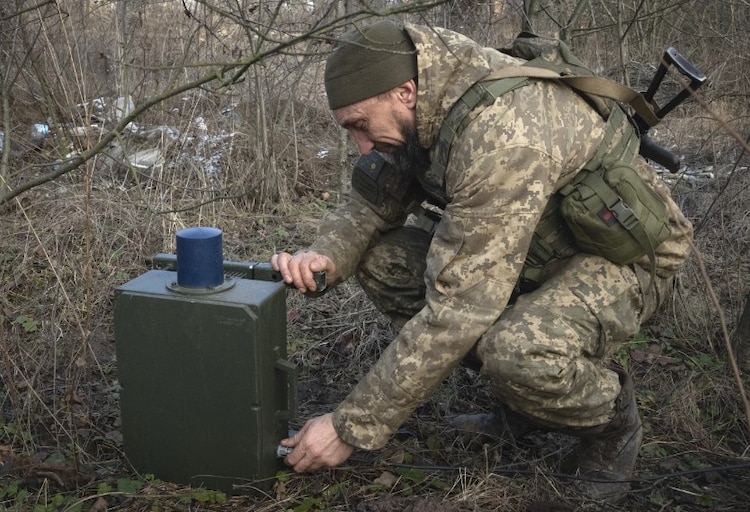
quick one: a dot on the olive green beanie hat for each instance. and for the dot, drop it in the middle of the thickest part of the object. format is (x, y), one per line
(369, 61)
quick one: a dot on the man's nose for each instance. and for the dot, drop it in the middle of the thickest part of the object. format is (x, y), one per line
(364, 144)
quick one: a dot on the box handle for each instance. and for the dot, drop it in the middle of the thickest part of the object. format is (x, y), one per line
(287, 381)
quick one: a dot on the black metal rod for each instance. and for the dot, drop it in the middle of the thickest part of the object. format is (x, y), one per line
(261, 271)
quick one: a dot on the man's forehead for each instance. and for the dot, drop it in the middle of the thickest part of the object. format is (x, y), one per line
(350, 113)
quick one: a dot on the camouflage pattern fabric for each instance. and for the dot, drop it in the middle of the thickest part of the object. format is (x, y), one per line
(392, 273)
(547, 356)
(507, 162)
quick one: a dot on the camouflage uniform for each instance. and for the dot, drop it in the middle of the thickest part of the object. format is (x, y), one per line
(546, 355)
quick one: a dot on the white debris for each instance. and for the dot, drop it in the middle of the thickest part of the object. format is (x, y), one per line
(146, 158)
(160, 132)
(39, 131)
(689, 175)
(123, 107)
(142, 148)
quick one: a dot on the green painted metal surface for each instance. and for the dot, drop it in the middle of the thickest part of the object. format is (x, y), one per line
(206, 390)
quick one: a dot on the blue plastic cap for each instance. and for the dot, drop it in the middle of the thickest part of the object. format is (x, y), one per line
(200, 262)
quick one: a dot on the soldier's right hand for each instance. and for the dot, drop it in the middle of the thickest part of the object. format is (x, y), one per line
(297, 270)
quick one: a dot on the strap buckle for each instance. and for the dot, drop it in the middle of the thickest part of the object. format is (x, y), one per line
(624, 214)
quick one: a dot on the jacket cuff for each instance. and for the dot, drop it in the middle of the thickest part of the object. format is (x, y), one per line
(358, 429)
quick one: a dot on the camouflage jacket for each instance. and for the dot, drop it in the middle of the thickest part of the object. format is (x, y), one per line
(503, 168)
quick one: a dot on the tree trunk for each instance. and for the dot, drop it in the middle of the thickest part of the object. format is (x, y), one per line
(622, 47)
(529, 9)
(565, 31)
(344, 136)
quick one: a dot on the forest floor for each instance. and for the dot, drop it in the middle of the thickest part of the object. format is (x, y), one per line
(67, 246)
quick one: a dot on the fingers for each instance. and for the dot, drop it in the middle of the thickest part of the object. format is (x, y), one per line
(298, 270)
(316, 446)
(290, 442)
(297, 453)
(282, 262)
(304, 462)
(279, 259)
(302, 458)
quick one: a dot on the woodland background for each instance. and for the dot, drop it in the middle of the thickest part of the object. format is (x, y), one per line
(123, 122)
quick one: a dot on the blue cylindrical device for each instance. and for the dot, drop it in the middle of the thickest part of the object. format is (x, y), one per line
(200, 262)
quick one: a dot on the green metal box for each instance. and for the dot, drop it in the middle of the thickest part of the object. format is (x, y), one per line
(206, 390)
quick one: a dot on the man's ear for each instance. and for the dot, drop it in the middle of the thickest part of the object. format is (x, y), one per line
(407, 93)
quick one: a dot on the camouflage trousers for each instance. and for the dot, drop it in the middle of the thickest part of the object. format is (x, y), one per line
(548, 356)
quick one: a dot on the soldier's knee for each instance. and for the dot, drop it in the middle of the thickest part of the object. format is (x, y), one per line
(398, 257)
(529, 375)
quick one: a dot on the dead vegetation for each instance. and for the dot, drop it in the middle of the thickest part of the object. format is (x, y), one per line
(67, 244)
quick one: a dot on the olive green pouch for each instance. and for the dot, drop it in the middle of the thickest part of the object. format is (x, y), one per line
(613, 213)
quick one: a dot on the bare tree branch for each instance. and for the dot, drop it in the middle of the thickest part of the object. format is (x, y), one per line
(27, 9)
(226, 75)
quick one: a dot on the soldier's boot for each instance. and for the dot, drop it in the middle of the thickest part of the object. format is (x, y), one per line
(608, 453)
(503, 425)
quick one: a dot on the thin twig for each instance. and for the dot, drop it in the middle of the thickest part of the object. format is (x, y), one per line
(725, 334)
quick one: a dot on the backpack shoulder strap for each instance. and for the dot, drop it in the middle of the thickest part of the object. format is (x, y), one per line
(482, 93)
(502, 81)
(589, 85)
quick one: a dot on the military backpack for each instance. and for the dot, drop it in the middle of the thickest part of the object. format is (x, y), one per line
(606, 209)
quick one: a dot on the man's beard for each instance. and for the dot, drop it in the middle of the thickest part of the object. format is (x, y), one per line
(411, 158)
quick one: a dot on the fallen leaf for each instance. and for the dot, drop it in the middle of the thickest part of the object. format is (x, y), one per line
(386, 479)
(99, 505)
(396, 458)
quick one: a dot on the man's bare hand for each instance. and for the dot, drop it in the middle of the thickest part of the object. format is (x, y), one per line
(316, 446)
(298, 269)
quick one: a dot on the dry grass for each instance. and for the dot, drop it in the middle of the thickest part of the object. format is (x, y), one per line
(66, 246)
(66, 249)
